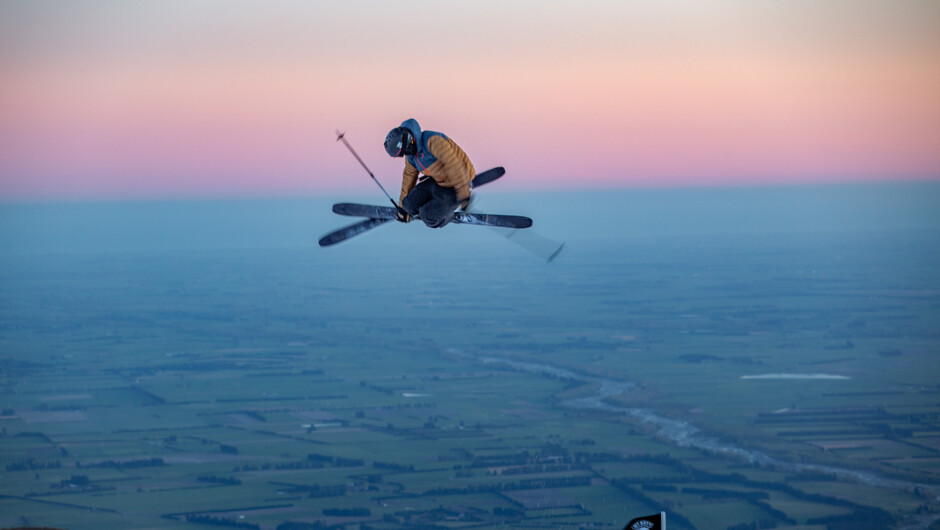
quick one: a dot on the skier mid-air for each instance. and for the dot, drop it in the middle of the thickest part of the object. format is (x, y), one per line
(446, 185)
(447, 170)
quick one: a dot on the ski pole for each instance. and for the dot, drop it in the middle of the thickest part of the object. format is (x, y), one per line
(342, 136)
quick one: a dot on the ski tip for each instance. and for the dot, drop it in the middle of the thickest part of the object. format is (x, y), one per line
(556, 253)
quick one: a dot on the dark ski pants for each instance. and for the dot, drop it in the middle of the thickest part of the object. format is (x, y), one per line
(433, 203)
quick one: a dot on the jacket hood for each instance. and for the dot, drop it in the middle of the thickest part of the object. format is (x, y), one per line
(412, 125)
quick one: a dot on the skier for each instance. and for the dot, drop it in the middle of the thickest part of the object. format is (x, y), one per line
(447, 174)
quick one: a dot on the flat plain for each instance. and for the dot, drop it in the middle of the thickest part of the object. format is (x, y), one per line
(748, 380)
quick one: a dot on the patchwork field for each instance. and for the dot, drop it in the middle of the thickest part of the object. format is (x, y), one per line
(297, 389)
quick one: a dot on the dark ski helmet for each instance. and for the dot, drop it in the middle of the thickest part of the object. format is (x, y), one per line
(399, 142)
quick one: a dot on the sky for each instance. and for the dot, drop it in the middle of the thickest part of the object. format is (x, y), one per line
(210, 98)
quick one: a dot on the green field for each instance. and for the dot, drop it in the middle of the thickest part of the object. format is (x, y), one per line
(259, 388)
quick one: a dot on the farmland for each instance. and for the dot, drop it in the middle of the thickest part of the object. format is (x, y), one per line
(255, 388)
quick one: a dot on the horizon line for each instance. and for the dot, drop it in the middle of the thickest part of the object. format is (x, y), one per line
(550, 186)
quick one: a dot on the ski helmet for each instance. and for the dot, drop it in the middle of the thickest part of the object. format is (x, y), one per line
(399, 142)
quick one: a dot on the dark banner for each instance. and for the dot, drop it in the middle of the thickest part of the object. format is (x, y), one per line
(649, 522)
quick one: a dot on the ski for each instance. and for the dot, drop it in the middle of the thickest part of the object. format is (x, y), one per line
(347, 232)
(489, 219)
(387, 212)
(487, 176)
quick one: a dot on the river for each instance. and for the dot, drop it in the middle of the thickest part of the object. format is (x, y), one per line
(685, 434)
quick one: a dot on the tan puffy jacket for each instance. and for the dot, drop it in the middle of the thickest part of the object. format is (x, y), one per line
(453, 169)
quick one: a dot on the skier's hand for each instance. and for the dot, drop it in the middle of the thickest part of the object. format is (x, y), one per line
(403, 216)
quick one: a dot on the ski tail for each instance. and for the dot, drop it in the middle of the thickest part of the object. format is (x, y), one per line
(489, 219)
(352, 209)
(351, 230)
(487, 176)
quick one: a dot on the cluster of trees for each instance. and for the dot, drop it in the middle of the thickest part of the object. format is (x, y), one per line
(392, 466)
(279, 466)
(598, 458)
(32, 464)
(228, 481)
(314, 490)
(76, 480)
(220, 521)
(347, 512)
(518, 459)
(300, 525)
(337, 461)
(125, 464)
(559, 482)
(327, 491)
(698, 358)
(427, 518)
(527, 470)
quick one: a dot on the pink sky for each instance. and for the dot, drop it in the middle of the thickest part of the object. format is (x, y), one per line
(217, 98)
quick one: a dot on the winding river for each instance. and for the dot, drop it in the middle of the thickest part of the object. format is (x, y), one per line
(683, 433)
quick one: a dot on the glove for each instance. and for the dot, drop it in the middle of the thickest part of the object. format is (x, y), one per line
(403, 216)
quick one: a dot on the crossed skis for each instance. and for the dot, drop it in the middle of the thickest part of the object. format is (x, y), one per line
(378, 215)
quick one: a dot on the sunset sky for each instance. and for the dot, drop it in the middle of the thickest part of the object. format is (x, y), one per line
(134, 99)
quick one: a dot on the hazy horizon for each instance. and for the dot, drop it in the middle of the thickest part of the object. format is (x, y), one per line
(116, 226)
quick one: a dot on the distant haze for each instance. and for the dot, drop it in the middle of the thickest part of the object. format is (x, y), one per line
(220, 99)
(575, 217)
